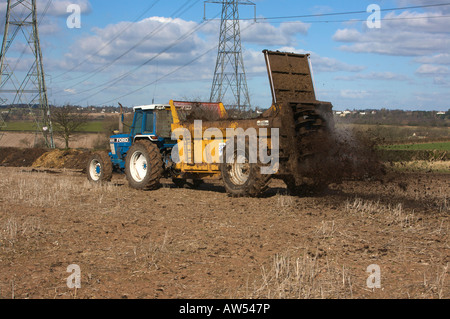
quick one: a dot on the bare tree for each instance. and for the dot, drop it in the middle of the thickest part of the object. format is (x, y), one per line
(67, 120)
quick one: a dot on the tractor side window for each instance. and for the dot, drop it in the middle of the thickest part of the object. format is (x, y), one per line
(148, 123)
(138, 123)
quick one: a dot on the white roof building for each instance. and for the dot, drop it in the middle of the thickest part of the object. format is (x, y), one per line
(151, 107)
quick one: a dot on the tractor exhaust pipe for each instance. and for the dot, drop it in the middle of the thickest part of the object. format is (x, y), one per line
(121, 119)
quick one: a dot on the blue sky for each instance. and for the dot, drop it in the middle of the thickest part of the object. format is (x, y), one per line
(116, 57)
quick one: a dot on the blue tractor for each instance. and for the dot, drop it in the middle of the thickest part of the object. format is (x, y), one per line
(144, 155)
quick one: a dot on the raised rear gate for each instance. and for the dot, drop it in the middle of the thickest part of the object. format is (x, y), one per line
(290, 77)
(304, 120)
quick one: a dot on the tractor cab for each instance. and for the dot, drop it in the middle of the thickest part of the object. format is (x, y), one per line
(150, 123)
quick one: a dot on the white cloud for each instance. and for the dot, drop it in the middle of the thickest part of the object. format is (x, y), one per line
(269, 35)
(354, 94)
(255, 62)
(347, 35)
(140, 42)
(442, 58)
(423, 35)
(383, 76)
(262, 33)
(325, 64)
(439, 80)
(407, 34)
(432, 70)
(59, 7)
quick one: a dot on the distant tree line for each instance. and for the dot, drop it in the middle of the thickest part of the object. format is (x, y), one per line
(396, 117)
(24, 108)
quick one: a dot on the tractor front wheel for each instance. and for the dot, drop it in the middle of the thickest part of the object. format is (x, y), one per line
(99, 168)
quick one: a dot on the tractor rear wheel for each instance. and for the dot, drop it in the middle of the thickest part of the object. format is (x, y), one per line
(144, 166)
(99, 168)
(240, 177)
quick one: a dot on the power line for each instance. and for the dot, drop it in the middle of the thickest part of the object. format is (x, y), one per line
(122, 77)
(364, 20)
(162, 77)
(170, 73)
(147, 37)
(109, 42)
(347, 12)
(114, 81)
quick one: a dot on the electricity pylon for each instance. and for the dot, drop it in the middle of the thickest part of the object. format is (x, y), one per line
(230, 71)
(22, 77)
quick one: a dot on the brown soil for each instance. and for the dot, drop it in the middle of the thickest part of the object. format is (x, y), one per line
(20, 157)
(44, 158)
(68, 159)
(181, 243)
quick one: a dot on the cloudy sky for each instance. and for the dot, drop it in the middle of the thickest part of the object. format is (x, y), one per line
(136, 51)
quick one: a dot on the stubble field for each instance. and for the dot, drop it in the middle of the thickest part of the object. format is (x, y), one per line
(182, 243)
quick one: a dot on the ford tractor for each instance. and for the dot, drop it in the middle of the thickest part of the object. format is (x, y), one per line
(142, 154)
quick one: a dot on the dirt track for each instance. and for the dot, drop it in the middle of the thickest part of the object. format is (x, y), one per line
(181, 243)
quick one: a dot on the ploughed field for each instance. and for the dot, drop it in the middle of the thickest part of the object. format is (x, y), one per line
(184, 243)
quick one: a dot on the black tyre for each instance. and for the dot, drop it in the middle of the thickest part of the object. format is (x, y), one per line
(144, 166)
(99, 168)
(240, 177)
